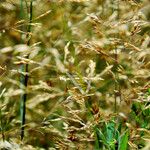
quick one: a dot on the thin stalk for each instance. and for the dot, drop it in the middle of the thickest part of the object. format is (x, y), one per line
(22, 99)
(24, 68)
(116, 81)
(30, 21)
(117, 85)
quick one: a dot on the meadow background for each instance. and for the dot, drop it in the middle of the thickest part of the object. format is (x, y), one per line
(88, 74)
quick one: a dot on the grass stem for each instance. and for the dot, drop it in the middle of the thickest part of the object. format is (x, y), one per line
(24, 68)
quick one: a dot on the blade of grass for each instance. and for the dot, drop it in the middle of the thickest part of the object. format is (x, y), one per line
(123, 144)
(101, 140)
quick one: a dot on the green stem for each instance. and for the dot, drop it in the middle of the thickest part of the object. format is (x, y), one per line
(24, 68)
(117, 85)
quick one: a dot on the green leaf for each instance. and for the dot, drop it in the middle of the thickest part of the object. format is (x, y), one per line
(120, 127)
(97, 143)
(123, 143)
(101, 136)
(101, 140)
(110, 132)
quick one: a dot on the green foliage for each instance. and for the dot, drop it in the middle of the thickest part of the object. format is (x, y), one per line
(110, 138)
(123, 144)
(141, 114)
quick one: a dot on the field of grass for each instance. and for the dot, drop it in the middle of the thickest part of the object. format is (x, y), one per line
(75, 74)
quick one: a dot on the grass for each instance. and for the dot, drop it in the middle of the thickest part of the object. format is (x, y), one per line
(24, 67)
(80, 70)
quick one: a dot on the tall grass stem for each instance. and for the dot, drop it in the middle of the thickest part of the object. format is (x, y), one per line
(24, 68)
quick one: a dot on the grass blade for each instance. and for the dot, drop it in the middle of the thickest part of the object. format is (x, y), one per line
(123, 144)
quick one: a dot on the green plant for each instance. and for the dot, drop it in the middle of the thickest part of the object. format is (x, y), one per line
(109, 137)
(24, 67)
